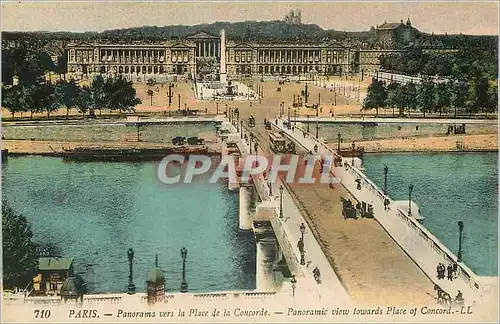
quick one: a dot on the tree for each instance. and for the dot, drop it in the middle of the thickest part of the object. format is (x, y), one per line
(151, 94)
(376, 96)
(442, 97)
(425, 96)
(121, 94)
(459, 90)
(45, 98)
(98, 93)
(11, 99)
(84, 100)
(19, 251)
(393, 96)
(66, 93)
(492, 102)
(411, 98)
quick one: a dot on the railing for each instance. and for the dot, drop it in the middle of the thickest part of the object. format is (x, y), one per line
(465, 272)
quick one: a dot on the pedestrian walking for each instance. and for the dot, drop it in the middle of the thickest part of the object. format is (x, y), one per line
(450, 272)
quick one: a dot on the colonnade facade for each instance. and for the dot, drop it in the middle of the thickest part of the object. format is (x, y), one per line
(176, 59)
(289, 60)
(180, 58)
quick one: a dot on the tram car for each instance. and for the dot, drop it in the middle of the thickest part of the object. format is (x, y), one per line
(276, 143)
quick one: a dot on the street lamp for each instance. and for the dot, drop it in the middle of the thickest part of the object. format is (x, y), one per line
(295, 117)
(289, 125)
(353, 147)
(338, 144)
(255, 147)
(251, 137)
(308, 124)
(386, 169)
(281, 201)
(131, 286)
(241, 129)
(270, 183)
(294, 285)
(184, 285)
(410, 190)
(302, 251)
(460, 229)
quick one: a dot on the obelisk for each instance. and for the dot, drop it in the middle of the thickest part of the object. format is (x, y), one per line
(223, 76)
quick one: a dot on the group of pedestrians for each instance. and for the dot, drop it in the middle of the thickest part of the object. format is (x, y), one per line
(450, 272)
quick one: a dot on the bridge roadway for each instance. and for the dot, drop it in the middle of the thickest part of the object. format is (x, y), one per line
(287, 232)
(417, 242)
(369, 264)
(365, 120)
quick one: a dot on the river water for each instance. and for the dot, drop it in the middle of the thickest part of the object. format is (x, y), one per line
(449, 187)
(95, 211)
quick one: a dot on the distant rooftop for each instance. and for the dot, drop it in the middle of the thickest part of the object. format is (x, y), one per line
(54, 263)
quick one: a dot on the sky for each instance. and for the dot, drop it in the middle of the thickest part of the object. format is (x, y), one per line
(78, 16)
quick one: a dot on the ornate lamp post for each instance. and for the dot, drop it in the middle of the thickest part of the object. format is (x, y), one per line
(131, 286)
(184, 285)
(241, 129)
(294, 285)
(295, 117)
(353, 147)
(460, 230)
(270, 183)
(410, 190)
(251, 137)
(317, 128)
(301, 244)
(289, 125)
(338, 144)
(281, 201)
(308, 123)
(255, 145)
(217, 107)
(386, 169)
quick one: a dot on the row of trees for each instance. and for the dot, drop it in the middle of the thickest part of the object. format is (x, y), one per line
(111, 93)
(462, 65)
(478, 95)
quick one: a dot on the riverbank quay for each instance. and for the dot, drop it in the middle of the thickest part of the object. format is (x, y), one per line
(457, 143)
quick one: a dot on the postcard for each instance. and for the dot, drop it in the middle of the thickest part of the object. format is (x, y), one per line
(249, 162)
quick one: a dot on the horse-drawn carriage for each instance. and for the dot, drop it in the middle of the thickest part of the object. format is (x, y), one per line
(251, 121)
(195, 141)
(348, 209)
(290, 148)
(178, 140)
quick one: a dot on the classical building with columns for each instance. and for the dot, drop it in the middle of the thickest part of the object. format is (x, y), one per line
(195, 54)
(289, 59)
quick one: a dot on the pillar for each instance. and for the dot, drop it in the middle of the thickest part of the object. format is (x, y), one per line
(245, 206)
(265, 259)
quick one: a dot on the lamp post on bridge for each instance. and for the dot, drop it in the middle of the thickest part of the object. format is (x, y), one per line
(353, 145)
(301, 244)
(295, 117)
(217, 108)
(294, 285)
(281, 201)
(308, 124)
(289, 125)
(339, 136)
(255, 147)
(131, 286)
(317, 128)
(184, 285)
(386, 170)
(460, 230)
(241, 129)
(410, 190)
